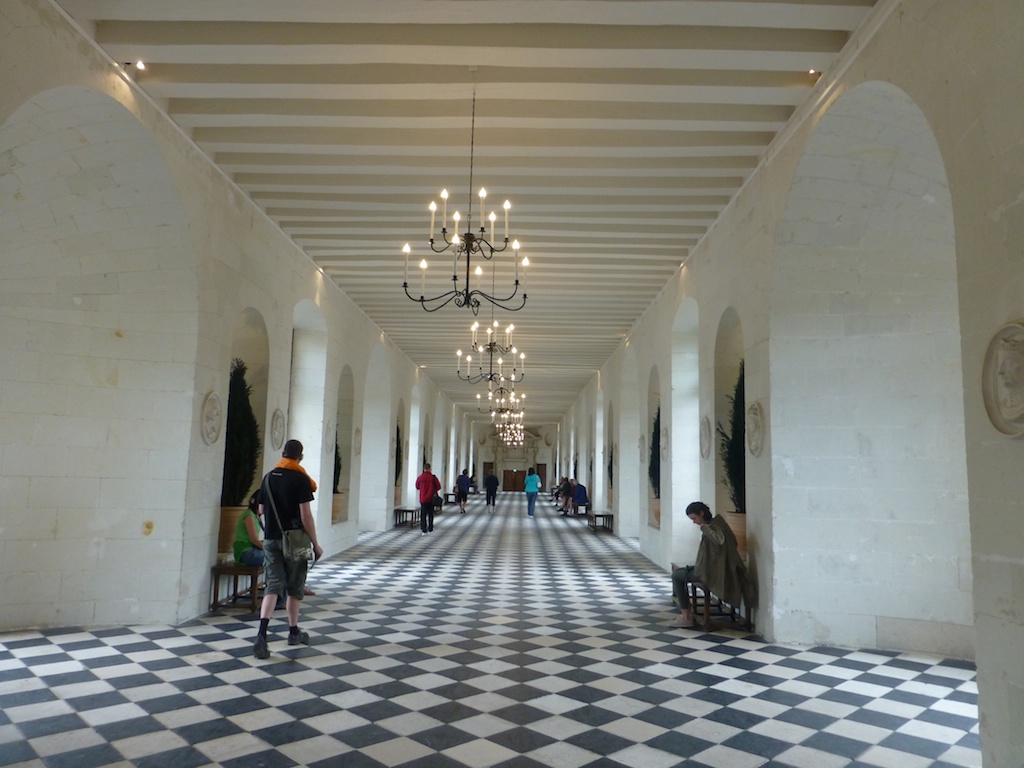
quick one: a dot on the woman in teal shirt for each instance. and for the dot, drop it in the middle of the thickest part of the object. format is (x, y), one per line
(532, 489)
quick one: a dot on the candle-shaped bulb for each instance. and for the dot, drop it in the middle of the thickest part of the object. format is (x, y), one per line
(423, 264)
(444, 208)
(478, 271)
(407, 250)
(433, 210)
(506, 206)
(492, 219)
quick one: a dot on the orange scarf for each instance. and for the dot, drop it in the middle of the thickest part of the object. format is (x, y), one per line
(293, 464)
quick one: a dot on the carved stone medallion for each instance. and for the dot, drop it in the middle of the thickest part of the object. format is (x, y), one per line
(277, 430)
(1002, 379)
(755, 428)
(705, 437)
(211, 418)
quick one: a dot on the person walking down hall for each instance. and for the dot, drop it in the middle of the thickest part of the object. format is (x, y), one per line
(532, 489)
(462, 489)
(428, 485)
(491, 488)
(286, 490)
(248, 544)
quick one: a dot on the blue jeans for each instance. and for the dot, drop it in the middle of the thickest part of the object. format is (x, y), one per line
(531, 503)
(251, 557)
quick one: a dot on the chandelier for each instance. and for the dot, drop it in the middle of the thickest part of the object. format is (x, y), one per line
(495, 350)
(507, 410)
(511, 434)
(470, 292)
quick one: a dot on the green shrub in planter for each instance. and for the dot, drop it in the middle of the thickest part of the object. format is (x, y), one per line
(241, 440)
(731, 448)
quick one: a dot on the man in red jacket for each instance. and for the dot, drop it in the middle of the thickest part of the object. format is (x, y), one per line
(428, 485)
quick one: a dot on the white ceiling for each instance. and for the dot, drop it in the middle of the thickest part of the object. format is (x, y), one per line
(618, 129)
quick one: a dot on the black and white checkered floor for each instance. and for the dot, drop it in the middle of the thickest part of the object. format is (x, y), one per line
(498, 640)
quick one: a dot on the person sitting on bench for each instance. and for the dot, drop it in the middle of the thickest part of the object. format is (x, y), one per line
(579, 496)
(718, 567)
(564, 495)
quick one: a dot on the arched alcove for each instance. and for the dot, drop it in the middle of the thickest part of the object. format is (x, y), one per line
(611, 457)
(399, 451)
(245, 444)
(98, 320)
(729, 367)
(872, 542)
(343, 441)
(654, 453)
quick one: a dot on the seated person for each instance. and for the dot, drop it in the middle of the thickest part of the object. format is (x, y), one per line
(248, 544)
(565, 495)
(718, 566)
(579, 497)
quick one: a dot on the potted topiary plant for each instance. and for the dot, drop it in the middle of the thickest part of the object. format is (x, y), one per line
(339, 501)
(398, 464)
(241, 454)
(654, 469)
(732, 452)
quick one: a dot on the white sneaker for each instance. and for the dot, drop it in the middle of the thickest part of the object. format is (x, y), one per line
(681, 622)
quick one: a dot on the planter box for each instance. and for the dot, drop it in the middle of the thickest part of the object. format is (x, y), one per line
(339, 508)
(738, 523)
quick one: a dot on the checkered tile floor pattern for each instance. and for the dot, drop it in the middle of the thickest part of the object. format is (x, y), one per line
(498, 640)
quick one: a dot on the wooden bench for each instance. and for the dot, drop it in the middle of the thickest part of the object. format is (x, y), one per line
(407, 516)
(604, 521)
(236, 572)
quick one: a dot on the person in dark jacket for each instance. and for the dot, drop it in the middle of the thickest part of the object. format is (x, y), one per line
(491, 489)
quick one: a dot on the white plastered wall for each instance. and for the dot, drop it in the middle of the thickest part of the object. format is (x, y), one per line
(958, 63)
(127, 259)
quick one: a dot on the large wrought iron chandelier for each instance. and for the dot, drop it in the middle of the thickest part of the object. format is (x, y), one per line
(480, 243)
(495, 351)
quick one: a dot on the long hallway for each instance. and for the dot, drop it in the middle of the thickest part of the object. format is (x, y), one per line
(497, 640)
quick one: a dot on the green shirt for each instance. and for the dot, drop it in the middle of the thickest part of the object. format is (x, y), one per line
(242, 540)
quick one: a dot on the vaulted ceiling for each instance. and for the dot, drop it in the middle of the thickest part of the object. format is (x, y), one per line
(618, 129)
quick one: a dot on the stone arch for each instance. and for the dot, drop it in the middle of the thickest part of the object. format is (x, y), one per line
(653, 426)
(729, 361)
(610, 455)
(399, 451)
(867, 391)
(98, 319)
(250, 343)
(344, 434)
